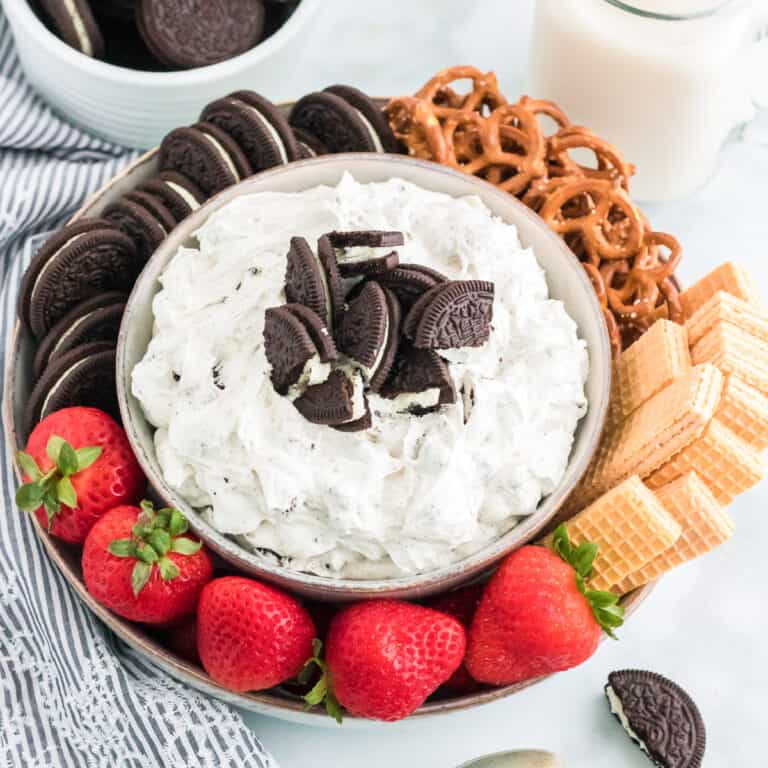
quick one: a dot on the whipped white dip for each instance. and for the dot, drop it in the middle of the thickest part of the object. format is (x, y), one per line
(412, 493)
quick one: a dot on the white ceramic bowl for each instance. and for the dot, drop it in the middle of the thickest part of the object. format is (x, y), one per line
(138, 108)
(566, 279)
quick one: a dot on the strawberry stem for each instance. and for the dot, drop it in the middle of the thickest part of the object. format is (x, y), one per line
(605, 605)
(152, 538)
(54, 487)
(322, 692)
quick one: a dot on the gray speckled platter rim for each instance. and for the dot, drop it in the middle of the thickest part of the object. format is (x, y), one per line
(267, 703)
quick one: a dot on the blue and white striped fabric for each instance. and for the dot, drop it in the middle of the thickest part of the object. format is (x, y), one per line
(71, 694)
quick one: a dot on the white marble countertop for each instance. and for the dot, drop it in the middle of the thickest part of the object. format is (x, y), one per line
(705, 625)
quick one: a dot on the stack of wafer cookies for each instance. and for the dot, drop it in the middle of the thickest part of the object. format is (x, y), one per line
(687, 422)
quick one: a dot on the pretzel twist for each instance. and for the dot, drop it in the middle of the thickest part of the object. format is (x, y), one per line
(479, 132)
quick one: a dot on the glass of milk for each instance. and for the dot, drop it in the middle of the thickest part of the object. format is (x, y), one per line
(666, 81)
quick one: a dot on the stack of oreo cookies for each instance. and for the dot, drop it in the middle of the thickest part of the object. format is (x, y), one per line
(71, 300)
(358, 322)
(164, 34)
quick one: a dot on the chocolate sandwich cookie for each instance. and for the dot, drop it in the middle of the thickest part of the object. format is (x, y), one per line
(454, 314)
(371, 113)
(409, 282)
(660, 716)
(317, 330)
(206, 155)
(95, 319)
(328, 403)
(73, 21)
(366, 238)
(184, 34)
(178, 194)
(139, 224)
(288, 346)
(258, 127)
(82, 260)
(419, 377)
(309, 145)
(155, 206)
(415, 312)
(306, 282)
(370, 331)
(83, 376)
(336, 123)
(357, 425)
(367, 265)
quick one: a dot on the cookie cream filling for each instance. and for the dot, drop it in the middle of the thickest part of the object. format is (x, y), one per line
(407, 401)
(411, 493)
(78, 23)
(184, 194)
(375, 138)
(57, 386)
(231, 167)
(48, 264)
(270, 129)
(617, 708)
(314, 372)
(70, 331)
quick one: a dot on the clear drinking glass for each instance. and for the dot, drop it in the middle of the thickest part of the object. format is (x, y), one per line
(666, 81)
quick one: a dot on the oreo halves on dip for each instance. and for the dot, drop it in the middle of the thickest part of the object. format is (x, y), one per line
(457, 314)
(366, 238)
(409, 282)
(82, 260)
(258, 127)
(660, 716)
(329, 402)
(290, 350)
(420, 380)
(306, 281)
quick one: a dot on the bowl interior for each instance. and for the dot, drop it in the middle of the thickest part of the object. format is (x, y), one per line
(567, 282)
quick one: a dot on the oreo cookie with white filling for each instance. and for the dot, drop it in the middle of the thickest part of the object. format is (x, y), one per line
(328, 403)
(92, 320)
(73, 21)
(139, 224)
(409, 282)
(258, 127)
(155, 206)
(306, 281)
(81, 260)
(420, 380)
(309, 145)
(336, 123)
(206, 155)
(178, 194)
(83, 376)
(371, 113)
(659, 716)
(317, 331)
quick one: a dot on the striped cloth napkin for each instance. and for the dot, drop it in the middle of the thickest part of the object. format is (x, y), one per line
(71, 694)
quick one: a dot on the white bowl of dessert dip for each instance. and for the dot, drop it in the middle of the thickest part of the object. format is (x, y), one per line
(416, 504)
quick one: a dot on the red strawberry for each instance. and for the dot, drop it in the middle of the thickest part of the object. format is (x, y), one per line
(78, 464)
(536, 615)
(384, 658)
(461, 604)
(182, 639)
(251, 636)
(140, 564)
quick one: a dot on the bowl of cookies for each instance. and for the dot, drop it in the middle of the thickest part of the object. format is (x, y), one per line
(363, 375)
(130, 71)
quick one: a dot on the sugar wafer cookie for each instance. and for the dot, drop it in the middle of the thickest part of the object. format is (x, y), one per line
(653, 362)
(726, 464)
(734, 351)
(724, 308)
(661, 427)
(744, 410)
(705, 525)
(630, 527)
(728, 277)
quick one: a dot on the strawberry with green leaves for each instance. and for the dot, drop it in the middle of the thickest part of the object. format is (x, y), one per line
(143, 565)
(384, 658)
(538, 616)
(78, 464)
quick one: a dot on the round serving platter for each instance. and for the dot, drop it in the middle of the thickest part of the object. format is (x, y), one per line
(18, 377)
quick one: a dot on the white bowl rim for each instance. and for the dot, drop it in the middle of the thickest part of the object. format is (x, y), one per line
(151, 80)
(340, 589)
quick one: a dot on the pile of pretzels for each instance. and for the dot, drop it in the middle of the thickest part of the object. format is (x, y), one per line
(479, 132)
